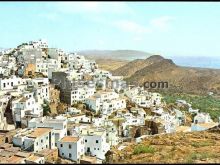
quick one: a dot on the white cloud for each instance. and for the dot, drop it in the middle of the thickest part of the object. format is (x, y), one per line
(50, 16)
(162, 23)
(130, 26)
(137, 38)
(93, 7)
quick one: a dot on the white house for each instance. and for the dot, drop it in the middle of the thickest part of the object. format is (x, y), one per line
(41, 43)
(81, 93)
(111, 133)
(25, 106)
(95, 142)
(106, 102)
(71, 148)
(202, 118)
(202, 121)
(10, 83)
(35, 139)
(59, 126)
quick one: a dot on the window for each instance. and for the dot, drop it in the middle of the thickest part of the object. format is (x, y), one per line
(4, 85)
(70, 146)
(97, 141)
(37, 144)
(12, 84)
(62, 154)
(61, 145)
(70, 155)
(55, 144)
(41, 141)
(98, 148)
(85, 140)
(94, 148)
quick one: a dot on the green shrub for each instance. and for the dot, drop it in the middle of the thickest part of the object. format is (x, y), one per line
(143, 149)
(202, 144)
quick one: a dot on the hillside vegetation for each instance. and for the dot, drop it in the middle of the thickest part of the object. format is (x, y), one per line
(191, 147)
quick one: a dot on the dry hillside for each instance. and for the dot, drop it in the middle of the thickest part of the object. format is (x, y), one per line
(191, 147)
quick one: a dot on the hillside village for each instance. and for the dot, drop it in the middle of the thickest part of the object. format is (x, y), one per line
(60, 107)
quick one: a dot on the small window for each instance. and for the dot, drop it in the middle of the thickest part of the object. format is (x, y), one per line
(41, 141)
(61, 145)
(70, 146)
(97, 141)
(98, 148)
(85, 140)
(70, 155)
(62, 154)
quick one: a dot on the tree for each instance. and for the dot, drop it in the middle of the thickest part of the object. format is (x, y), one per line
(46, 108)
(137, 133)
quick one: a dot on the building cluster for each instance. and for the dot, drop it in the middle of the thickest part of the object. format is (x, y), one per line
(102, 112)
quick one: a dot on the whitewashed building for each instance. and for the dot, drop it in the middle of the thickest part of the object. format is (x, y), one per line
(96, 142)
(59, 126)
(35, 139)
(71, 148)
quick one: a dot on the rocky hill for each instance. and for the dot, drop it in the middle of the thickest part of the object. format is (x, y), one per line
(191, 147)
(180, 79)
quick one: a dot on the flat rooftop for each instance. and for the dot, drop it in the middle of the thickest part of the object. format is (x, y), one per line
(37, 132)
(69, 139)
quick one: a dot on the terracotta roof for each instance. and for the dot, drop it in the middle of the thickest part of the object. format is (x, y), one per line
(69, 139)
(39, 132)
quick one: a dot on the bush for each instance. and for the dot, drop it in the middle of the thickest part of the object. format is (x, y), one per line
(143, 149)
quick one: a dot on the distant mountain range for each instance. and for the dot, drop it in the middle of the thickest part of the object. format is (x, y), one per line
(115, 54)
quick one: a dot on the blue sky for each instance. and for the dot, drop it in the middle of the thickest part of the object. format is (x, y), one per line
(169, 28)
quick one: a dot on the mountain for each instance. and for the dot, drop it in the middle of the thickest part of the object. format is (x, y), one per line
(180, 79)
(135, 65)
(115, 54)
